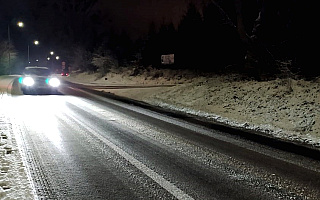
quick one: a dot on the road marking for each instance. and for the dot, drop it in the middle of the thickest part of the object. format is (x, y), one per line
(171, 188)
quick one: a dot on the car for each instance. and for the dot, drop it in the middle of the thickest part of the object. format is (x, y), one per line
(38, 80)
(64, 74)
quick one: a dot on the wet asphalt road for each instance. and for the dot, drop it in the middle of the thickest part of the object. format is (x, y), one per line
(83, 146)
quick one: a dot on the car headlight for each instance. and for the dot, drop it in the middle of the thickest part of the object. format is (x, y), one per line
(54, 82)
(28, 81)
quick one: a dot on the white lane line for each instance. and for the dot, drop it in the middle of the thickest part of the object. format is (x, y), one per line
(175, 191)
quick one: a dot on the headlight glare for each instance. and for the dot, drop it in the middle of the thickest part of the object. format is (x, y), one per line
(28, 81)
(54, 82)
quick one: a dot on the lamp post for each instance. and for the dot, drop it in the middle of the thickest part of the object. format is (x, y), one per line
(52, 58)
(19, 24)
(36, 42)
(9, 46)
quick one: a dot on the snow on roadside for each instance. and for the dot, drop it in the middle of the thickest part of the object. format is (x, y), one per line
(282, 108)
(269, 107)
(14, 182)
(262, 128)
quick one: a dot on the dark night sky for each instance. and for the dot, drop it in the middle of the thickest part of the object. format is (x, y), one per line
(136, 16)
(132, 16)
(59, 24)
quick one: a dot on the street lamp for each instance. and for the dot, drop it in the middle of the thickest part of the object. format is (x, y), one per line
(36, 42)
(9, 46)
(20, 24)
(52, 59)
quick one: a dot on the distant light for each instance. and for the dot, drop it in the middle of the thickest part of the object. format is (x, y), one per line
(51, 52)
(48, 58)
(37, 60)
(57, 57)
(36, 42)
(20, 24)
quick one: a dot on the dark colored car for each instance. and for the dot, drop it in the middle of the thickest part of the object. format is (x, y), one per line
(36, 80)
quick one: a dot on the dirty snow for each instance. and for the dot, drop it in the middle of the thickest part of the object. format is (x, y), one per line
(283, 108)
(14, 181)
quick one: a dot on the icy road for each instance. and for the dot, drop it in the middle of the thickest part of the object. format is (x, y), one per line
(78, 145)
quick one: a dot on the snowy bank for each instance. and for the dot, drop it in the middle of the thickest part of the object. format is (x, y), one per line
(282, 108)
(14, 181)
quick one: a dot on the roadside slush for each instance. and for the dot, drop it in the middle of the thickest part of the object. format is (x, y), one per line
(14, 180)
(9, 85)
(5, 85)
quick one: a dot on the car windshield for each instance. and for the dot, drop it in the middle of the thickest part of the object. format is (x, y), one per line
(37, 71)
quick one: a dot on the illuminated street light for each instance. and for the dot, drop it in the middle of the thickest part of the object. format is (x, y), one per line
(57, 57)
(36, 42)
(20, 24)
(48, 58)
(51, 52)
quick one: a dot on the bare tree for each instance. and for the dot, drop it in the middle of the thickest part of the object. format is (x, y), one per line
(258, 58)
